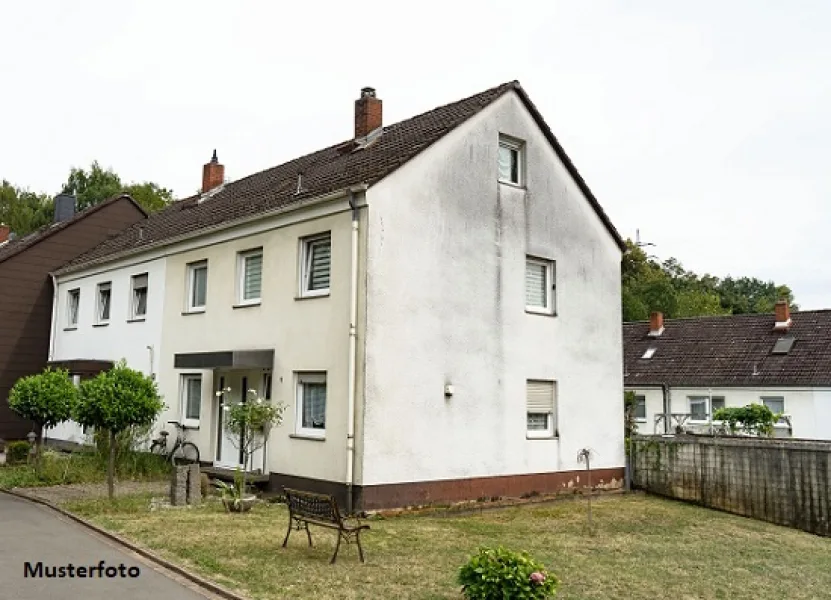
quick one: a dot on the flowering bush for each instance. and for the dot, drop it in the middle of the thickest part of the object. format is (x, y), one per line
(248, 425)
(494, 573)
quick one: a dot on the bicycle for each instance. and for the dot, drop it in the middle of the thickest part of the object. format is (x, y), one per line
(182, 453)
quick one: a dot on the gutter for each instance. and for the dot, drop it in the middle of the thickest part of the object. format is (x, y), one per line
(214, 228)
(353, 351)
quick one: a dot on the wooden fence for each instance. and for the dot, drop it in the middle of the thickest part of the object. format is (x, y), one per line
(787, 482)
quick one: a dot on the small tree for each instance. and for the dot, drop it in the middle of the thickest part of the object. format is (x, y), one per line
(248, 425)
(47, 399)
(114, 401)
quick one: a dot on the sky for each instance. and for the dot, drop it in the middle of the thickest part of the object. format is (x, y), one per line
(704, 125)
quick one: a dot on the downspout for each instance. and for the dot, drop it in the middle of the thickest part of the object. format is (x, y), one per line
(54, 317)
(353, 350)
(667, 413)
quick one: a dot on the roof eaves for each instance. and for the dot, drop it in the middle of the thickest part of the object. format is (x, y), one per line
(300, 205)
(558, 148)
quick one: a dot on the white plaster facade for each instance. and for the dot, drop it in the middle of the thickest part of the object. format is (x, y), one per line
(136, 340)
(446, 304)
(441, 262)
(809, 408)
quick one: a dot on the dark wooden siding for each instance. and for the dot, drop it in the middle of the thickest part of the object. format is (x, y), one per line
(26, 298)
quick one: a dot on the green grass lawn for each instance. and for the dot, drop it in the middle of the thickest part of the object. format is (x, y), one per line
(642, 548)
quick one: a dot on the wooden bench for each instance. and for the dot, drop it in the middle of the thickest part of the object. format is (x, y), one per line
(322, 510)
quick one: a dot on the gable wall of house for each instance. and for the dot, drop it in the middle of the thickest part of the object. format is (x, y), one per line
(26, 298)
(446, 305)
(809, 408)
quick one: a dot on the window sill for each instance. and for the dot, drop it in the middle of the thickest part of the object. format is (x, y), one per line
(312, 296)
(193, 311)
(71, 328)
(137, 320)
(100, 324)
(247, 304)
(542, 437)
(518, 186)
(306, 436)
(541, 313)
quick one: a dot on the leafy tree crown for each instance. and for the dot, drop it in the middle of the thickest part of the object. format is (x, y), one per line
(47, 398)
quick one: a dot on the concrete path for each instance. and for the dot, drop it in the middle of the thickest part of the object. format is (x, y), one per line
(35, 534)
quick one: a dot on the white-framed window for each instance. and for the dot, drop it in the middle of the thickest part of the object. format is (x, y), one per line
(102, 306)
(73, 303)
(511, 159)
(197, 286)
(138, 296)
(267, 380)
(250, 273)
(698, 408)
(311, 404)
(640, 409)
(702, 408)
(541, 408)
(540, 286)
(191, 399)
(315, 265)
(776, 404)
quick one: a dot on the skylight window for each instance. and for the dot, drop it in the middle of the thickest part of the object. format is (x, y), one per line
(650, 352)
(783, 345)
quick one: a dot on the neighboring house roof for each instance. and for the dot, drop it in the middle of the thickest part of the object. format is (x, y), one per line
(16, 246)
(727, 351)
(329, 170)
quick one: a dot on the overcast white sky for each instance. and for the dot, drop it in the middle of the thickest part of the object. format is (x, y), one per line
(704, 124)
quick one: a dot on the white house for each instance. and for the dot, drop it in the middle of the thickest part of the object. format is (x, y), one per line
(683, 370)
(437, 302)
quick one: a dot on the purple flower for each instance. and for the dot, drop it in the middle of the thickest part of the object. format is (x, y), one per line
(537, 578)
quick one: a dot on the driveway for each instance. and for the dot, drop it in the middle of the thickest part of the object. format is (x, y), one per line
(35, 534)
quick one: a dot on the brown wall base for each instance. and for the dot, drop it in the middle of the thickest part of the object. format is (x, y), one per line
(398, 495)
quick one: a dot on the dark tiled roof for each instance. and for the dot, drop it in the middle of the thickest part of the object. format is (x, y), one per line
(725, 351)
(325, 171)
(20, 244)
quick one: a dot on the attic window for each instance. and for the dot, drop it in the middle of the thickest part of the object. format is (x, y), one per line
(650, 352)
(783, 345)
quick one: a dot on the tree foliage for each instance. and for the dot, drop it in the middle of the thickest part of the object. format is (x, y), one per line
(116, 400)
(25, 211)
(48, 398)
(649, 285)
(90, 187)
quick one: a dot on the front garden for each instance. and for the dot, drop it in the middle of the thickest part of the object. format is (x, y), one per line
(640, 547)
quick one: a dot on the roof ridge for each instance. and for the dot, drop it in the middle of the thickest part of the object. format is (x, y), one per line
(507, 85)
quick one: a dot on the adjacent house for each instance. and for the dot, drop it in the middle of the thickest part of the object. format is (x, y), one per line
(683, 370)
(26, 290)
(436, 301)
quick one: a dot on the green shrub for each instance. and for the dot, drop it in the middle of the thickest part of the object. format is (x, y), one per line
(17, 452)
(494, 573)
(753, 419)
(47, 398)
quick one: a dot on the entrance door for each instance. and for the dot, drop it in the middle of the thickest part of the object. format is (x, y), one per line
(228, 454)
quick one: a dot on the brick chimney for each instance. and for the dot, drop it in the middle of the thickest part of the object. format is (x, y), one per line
(656, 324)
(367, 113)
(5, 230)
(213, 174)
(783, 316)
